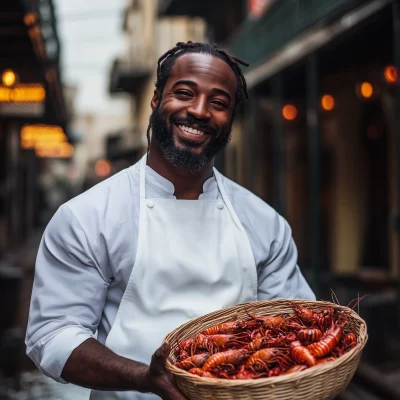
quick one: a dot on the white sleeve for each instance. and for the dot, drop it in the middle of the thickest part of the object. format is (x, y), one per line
(280, 276)
(68, 294)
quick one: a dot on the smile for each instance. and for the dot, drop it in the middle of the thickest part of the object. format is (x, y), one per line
(192, 135)
(191, 130)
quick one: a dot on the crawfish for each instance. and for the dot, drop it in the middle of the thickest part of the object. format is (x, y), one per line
(229, 327)
(349, 340)
(328, 342)
(274, 372)
(260, 342)
(301, 354)
(231, 357)
(256, 344)
(200, 372)
(265, 357)
(242, 373)
(184, 348)
(215, 343)
(309, 335)
(197, 360)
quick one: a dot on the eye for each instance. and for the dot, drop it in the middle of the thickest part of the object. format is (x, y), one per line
(184, 93)
(219, 104)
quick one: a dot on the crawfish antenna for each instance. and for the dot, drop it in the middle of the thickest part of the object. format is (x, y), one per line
(334, 297)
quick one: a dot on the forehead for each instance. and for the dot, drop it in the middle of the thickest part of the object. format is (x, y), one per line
(204, 68)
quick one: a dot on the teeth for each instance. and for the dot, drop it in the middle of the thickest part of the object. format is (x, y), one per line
(191, 130)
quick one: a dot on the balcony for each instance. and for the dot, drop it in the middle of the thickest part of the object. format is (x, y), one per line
(260, 38)
(223, 17)
(129, 78)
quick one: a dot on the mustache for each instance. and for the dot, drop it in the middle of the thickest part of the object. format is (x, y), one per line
(190, 120)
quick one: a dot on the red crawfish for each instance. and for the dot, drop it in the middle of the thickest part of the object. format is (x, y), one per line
(200, 372)
(350, 340)
(266, 357)
(242, 373)
(216, 343)
(274, 372)
(231, 357)
(328, 342)
(184, 349)
(308, 316)
(309, 335)
(197, 360)
(229, 327)
(301, 354)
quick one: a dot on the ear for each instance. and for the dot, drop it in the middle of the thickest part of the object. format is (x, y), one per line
(155, 99)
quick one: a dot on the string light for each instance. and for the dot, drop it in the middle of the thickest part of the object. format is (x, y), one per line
(289, 112)
(8, 77)
(102, 168)
(391, 74)
(328, 102)
(366, 90)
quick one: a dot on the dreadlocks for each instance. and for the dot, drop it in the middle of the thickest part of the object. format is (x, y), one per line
(167, 60)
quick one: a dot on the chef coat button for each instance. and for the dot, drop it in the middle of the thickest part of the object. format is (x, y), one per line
(220, 205)
(150, 204)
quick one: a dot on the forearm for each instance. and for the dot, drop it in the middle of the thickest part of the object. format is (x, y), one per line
(94, 366)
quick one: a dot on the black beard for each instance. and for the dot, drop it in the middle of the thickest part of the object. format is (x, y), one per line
(183, 157)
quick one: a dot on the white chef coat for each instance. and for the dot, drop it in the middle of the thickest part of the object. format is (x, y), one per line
(89, 248)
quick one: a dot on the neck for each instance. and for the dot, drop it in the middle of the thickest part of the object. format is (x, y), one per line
(188, 185)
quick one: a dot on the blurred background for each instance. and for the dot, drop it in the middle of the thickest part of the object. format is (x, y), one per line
(319, 140)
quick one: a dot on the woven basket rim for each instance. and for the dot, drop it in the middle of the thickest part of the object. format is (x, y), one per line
(272, 381)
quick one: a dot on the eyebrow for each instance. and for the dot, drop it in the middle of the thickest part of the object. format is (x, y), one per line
(194, 84)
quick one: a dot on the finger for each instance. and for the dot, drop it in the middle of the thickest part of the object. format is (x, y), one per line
(159, 357)
(175, 394)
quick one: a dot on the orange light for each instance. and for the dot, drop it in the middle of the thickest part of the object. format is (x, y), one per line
(46, 140)
(33, 93)
(366, 90)
(391, 74)
(328, 102)
(30, 18)
(60, 150)
(102, 168)
(8, 77)
(289, 112)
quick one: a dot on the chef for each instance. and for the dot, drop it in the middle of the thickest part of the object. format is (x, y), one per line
(162, 242)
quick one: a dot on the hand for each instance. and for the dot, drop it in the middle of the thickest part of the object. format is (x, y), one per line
(161, 381)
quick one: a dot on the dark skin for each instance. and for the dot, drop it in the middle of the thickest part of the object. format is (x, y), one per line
(205, 87)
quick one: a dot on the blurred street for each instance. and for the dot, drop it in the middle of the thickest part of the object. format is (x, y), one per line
(318, 139)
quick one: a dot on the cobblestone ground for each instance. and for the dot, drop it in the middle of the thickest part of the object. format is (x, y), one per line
(36, 386)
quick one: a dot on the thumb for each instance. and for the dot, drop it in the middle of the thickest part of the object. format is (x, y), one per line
(158, 359)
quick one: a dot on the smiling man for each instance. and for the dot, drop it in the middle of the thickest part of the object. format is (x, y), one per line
(164, 241)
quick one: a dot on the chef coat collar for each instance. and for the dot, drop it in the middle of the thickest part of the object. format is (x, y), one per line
(167, 189)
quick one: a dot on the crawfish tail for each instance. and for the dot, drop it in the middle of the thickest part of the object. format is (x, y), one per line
(302, 354)
(197, 360)
(309, 335)
(226, 357)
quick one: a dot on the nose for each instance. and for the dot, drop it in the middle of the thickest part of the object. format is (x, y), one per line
(199, 108)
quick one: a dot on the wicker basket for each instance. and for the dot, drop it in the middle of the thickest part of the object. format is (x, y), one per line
(321, 382)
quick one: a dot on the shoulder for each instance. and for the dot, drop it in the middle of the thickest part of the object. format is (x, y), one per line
(111, 202)
(265, 227)
(112, 191)
(249, 204)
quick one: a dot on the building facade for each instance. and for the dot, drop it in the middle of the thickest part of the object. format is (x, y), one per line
(148, 36)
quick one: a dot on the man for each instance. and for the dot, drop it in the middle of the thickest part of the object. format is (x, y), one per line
(164, 241)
